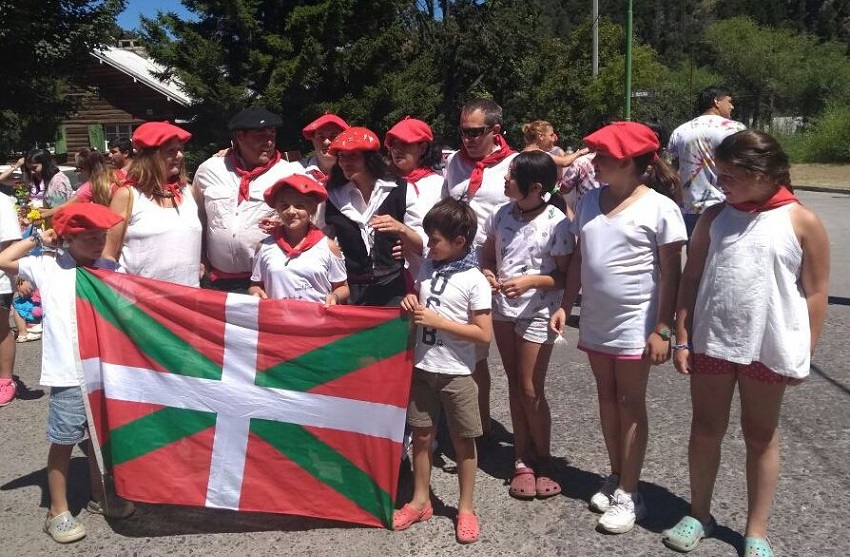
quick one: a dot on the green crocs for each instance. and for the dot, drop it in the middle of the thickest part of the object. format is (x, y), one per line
(757, 547)
(686, 535)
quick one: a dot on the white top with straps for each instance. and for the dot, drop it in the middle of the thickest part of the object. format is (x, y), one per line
(750, 305)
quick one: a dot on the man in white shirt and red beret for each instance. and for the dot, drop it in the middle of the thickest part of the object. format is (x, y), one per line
(229, 192)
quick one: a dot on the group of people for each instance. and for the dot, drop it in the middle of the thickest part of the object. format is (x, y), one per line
(487, 248)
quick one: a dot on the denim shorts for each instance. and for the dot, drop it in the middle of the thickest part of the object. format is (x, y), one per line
(534, 330)
(66, 417)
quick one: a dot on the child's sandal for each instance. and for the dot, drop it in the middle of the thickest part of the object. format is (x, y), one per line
(687, 533)
(523, 485)
(407, 516)
(64, 528)
(757, 547)
(546, 485)
(467, 530)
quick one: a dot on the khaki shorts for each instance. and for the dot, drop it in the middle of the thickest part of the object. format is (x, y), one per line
(459, 395)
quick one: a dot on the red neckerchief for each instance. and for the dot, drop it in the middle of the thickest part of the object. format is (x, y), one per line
(416, 175)
(248, 175)
(320, 176)
(313, 237)
(493, 158)
(783, 196)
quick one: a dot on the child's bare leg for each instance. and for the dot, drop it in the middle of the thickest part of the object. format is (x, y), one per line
(609, 416)
(632, 377)
(422, 461)
(711, 398)
(532, 363)
(481, 375)
(20, 323)
(506, 340)
(7, 346)
(467, 466)
(58, 459)
(760, 403)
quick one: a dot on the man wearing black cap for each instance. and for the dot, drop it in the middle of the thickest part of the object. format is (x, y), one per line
(229, 191)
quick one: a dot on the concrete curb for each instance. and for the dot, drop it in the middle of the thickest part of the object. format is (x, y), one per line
(822, 189)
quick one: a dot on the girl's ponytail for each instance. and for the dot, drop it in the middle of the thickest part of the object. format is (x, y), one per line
(659, 175)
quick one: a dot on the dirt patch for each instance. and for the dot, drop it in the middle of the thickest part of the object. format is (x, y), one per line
(824, 175)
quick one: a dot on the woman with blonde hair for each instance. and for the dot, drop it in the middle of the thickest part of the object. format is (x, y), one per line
(540, 135)
(162, 213)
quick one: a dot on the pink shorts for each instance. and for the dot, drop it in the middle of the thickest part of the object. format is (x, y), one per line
(707, 365)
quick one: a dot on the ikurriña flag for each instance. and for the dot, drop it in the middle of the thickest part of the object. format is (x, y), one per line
(205, 398)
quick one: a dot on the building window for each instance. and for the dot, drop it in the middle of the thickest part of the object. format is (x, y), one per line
(114, 131)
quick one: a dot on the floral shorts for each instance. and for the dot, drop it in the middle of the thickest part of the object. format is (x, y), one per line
(707, 365)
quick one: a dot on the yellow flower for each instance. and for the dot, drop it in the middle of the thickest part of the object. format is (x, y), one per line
(34, 215)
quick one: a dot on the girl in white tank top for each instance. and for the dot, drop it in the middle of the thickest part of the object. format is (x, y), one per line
(751, 305)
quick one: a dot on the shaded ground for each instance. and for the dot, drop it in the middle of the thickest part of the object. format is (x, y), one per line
(823, 175)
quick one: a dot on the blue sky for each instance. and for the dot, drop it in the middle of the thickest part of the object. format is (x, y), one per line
(129, 18)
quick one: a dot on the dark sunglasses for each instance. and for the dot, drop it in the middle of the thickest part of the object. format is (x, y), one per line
(472, 133)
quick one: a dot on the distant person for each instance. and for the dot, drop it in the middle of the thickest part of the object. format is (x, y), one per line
(48, 185)
(9, 232)
(320, 133)
(121, 155)
(540, 135)
(751, 308)
(229, 193)
(691, 150)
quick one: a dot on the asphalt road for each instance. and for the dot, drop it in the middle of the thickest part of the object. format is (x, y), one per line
(812, 503)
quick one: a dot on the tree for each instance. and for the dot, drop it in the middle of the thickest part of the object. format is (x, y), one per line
(44, 42)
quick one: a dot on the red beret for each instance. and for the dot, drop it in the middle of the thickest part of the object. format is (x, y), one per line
(154, 134)
(355, 139)
(300, 183)
(324, 120)
(409, 130)
(80, 217)
(623, 140)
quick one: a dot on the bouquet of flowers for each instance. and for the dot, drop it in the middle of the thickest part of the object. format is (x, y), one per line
(27, 210)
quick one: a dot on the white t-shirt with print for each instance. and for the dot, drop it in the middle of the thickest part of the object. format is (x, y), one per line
(692, 145)
(620, 269)
(454, 296)
(56, 278)
(489, 197)
(306, 277)
(529, 248)
(10, 230)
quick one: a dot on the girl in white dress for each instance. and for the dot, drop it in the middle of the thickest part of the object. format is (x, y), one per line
(298, 262)
(526, 254)
(751, 308)
(627, 263)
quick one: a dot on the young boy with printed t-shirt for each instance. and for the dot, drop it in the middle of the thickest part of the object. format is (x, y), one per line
(82, 226)
(452, 312)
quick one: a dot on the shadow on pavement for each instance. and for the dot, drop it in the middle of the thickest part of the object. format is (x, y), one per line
(25, 393)
(79, 491)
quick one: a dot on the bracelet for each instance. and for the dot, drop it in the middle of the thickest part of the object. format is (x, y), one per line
(36, 239)
(683, 346)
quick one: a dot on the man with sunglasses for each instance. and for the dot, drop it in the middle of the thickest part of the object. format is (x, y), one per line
(476, 174)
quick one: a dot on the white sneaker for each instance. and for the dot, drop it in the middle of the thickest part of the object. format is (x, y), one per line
(625, 510)
(602, 499)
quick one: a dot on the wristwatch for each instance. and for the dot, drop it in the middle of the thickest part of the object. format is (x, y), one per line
(664, 333)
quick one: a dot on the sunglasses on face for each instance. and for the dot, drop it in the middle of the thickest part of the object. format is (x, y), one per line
(473, 133)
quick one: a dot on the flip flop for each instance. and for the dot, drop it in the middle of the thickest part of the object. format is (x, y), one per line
(687, 533)
(467, 530)
(757, 547)
(523, 485)
(407, 516)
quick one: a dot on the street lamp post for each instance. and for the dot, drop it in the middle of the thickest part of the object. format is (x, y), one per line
(627, 107)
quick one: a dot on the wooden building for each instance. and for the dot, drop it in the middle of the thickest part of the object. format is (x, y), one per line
(119, 90)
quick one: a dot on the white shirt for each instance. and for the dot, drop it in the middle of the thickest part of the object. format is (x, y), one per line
(750, 305)
(692, 144)
(56, 279)
(489, 197)
(455, 297)
(348, 199)
(529, 248)
(620, 268)
(429, 191)
(232, 232)
(163, 243)
(306, 277)
(10, 230)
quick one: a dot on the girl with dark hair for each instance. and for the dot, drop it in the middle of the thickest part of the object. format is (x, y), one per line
(47, 183)
(738, 325)
(413, 156)
(374, 218)
(627, 264)
(528, 245)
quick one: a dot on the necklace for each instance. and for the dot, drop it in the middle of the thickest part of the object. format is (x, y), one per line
(522, 211)
(163, 194)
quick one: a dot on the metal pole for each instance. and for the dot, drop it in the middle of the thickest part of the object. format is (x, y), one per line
(627, 109)
(595, 15)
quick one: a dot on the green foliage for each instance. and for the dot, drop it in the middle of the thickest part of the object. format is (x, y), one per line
(44, 42)
(826, 141)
